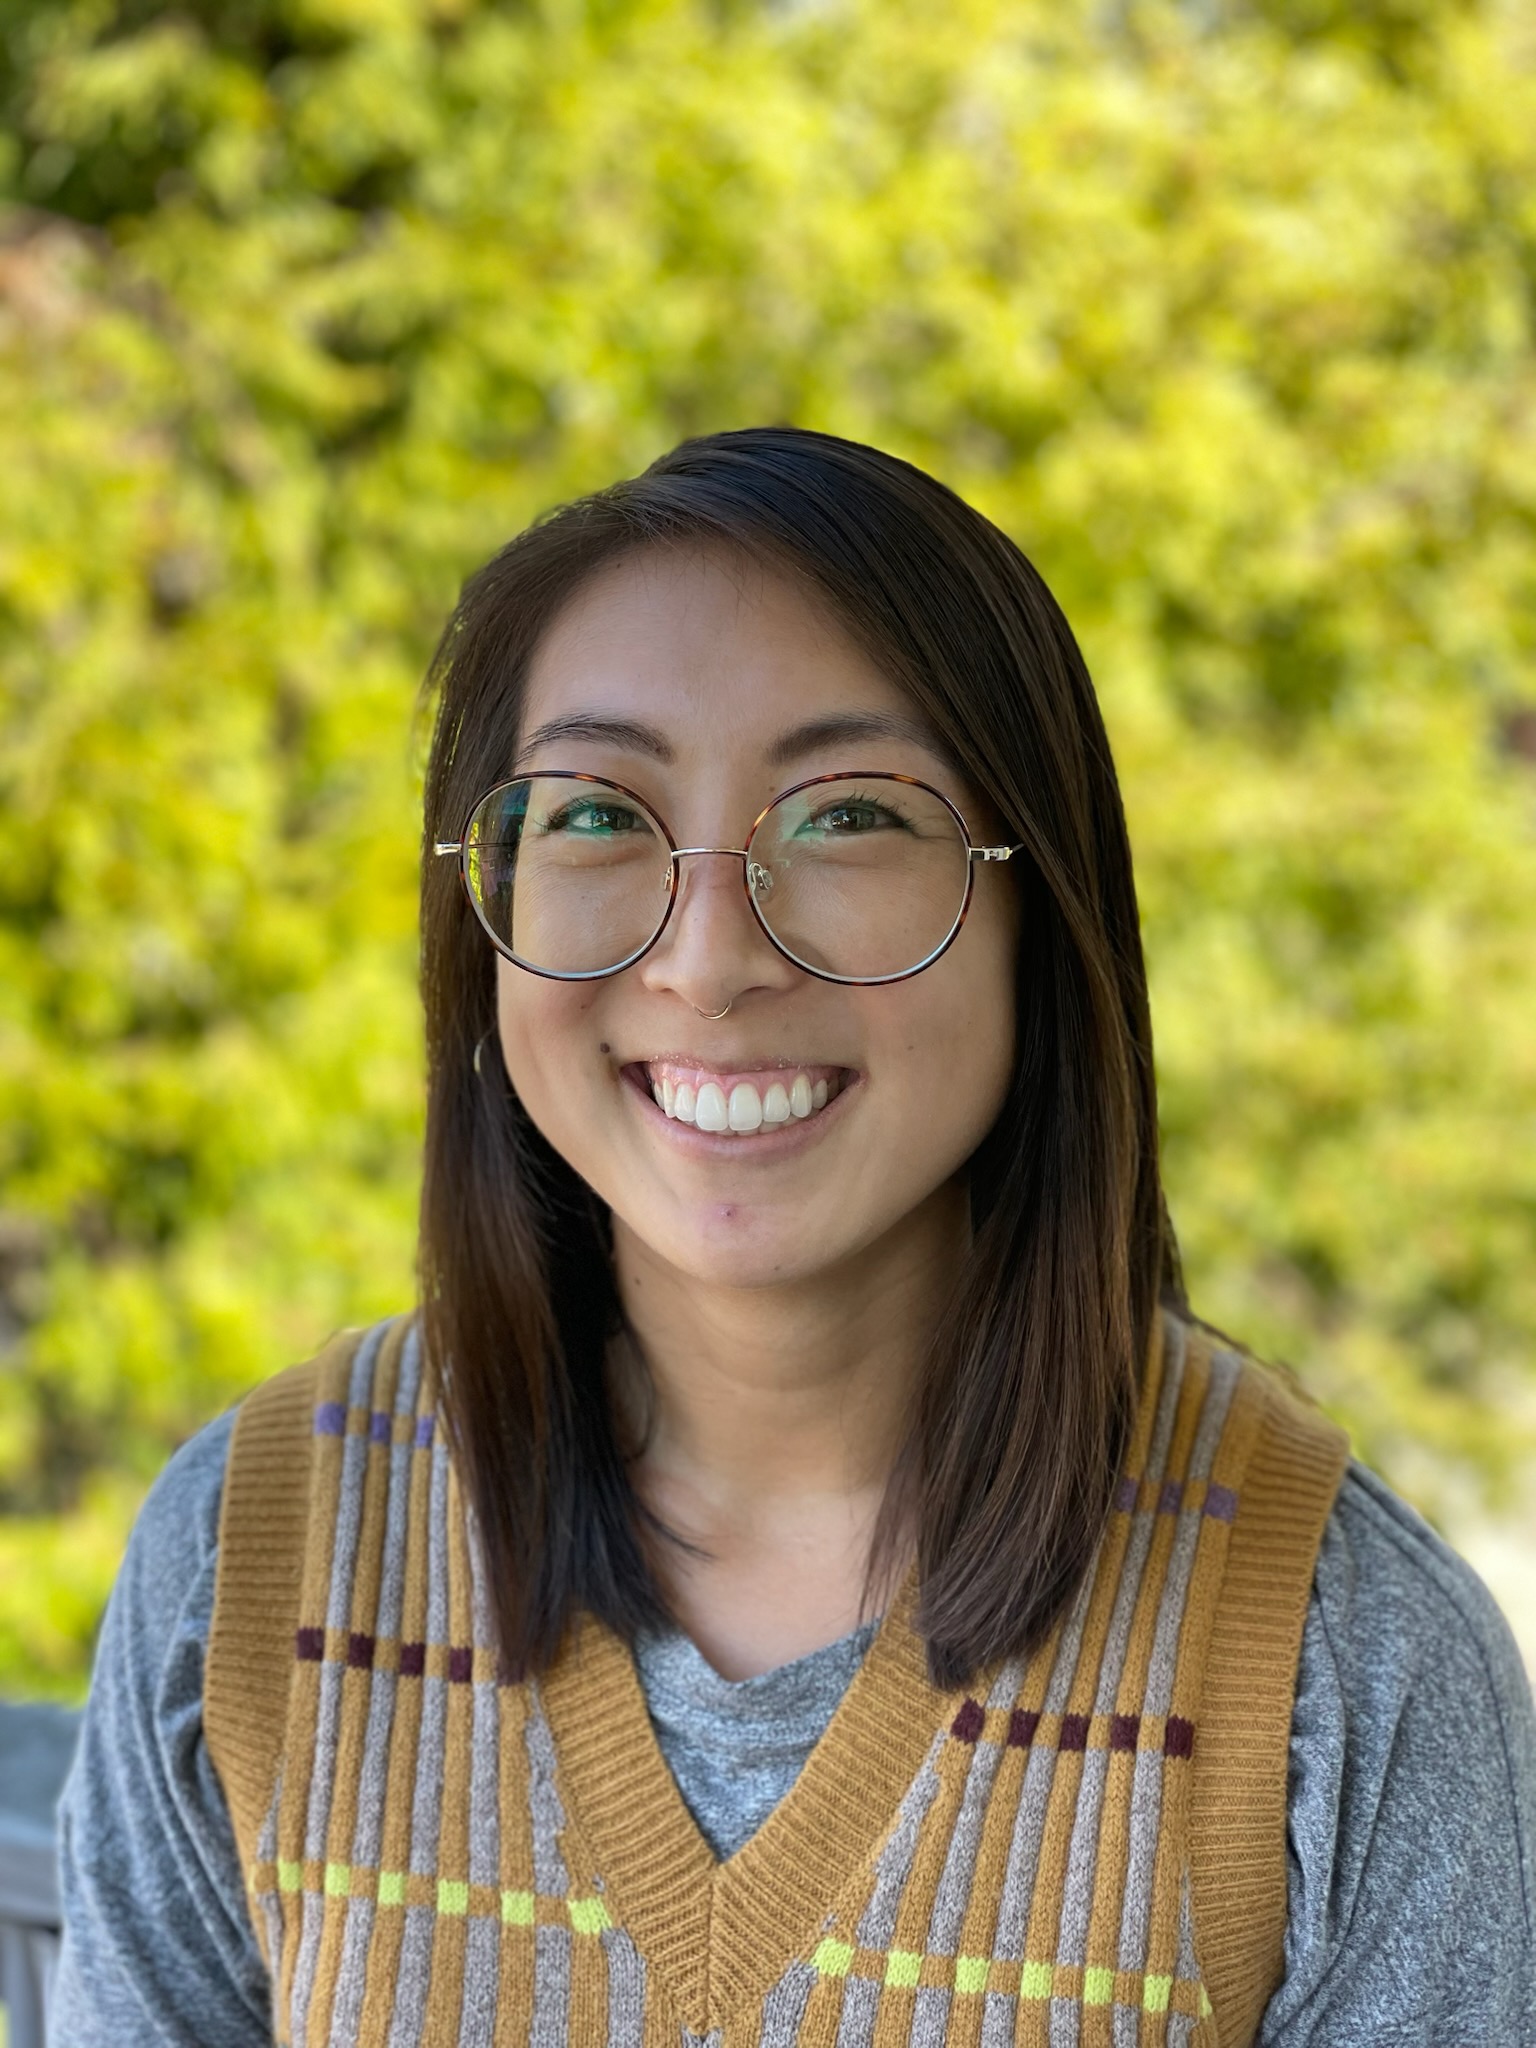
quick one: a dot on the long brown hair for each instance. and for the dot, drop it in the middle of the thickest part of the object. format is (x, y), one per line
(1024, 1410)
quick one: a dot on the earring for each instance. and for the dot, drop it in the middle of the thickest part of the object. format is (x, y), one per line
(479, 1048)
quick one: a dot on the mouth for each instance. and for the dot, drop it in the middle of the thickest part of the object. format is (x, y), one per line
(767, 1104)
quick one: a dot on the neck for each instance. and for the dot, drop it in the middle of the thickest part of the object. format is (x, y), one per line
(777, 1412)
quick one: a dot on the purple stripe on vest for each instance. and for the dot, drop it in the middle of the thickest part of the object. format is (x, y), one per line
(969, 1722)
(423, 1436)
(1126, 1491)
(1168, 1501)
(1178, 1737)
(461, 1664)
(1074, 1731)
(1022, 1724)
(1221, 1502)
(360, 1649)
(413, 1659)
(1123, 1731)
(378, 1427)
(331, 1419)
(309, 1645)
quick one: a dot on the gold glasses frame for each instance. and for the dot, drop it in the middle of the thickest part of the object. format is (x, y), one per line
(461, 846)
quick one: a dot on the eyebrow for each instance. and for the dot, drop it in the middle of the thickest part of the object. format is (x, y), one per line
(833, 729)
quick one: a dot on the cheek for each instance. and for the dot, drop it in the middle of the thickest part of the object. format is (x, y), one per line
(535, 1020)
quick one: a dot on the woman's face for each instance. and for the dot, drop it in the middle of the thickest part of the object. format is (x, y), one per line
(719, 659)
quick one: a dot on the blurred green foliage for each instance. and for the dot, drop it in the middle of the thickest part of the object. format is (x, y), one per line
(1225, 311)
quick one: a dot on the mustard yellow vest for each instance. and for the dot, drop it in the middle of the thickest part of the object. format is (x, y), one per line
(1087, 1847)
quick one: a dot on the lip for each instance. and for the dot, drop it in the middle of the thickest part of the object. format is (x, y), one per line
(782, 1143)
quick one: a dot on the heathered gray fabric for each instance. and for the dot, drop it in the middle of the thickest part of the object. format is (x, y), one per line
(736, 1746)
(1412, 1794)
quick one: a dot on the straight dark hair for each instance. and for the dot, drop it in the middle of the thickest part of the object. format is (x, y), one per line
(1024, 1409)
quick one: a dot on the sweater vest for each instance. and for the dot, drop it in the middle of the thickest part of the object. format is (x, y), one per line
(1085, 1846)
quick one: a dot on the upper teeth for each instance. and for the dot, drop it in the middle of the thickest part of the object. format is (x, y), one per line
(746, 1109)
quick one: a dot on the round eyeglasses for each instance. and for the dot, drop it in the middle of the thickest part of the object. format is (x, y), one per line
(854, 877)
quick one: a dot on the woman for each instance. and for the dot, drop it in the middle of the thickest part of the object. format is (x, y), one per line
(804, 1576)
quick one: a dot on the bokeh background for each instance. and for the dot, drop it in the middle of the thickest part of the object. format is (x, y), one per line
(1225, 311)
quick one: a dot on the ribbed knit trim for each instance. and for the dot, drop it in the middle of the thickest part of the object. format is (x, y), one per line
(263, 1527)
(718, 1933)
(1237, 1816)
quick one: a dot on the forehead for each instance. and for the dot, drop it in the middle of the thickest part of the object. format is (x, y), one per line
(710, 648)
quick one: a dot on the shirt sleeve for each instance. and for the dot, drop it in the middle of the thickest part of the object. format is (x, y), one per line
(158, 1948)
(1411, 1834)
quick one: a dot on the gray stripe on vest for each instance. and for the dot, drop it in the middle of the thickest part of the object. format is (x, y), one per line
(485, 1740)
(1064, 2022)
(626, 1989)
(999, 2019)
(1181, 2025)
(1034, 1794)
(482, 1957)
(1188, 1963)
(426, 1801)
(930, 2016)
(373, 1775)
(856, 2017)
(1083, 1853)
(373, 1778)
(338, 1611)
(784, 2007)
(412, 1976)
(1225, 1368)
(1039, 1773)
(1125, 2026)
(550, 1877)
(351, 1976)
(482, 1983)
(954, 1889)
(271, 1901)
(713, 2039)
(551, 1945)
(415, 1972)
(877, 1923)
(551, 1988)
(1147, 1779)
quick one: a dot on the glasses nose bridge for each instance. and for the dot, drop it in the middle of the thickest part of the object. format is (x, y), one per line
(758, 879)
(740, 852)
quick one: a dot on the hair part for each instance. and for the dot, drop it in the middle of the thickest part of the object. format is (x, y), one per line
(1023, 1410)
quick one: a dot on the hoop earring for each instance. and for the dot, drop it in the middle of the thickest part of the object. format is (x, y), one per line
(479, 1048)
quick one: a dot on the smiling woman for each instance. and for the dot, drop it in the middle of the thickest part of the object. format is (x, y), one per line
(804, 1576)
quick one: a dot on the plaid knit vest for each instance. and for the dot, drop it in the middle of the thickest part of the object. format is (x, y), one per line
(1087, 1846)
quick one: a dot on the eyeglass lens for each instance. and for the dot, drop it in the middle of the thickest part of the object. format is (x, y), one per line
(860, 878)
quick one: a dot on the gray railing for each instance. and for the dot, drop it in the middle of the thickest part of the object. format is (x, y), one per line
(36, 1745)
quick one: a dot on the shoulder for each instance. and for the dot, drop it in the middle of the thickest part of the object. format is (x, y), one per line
(1383, 1570)
(1411, 1835)
(1410, 1676)
(170, 1558)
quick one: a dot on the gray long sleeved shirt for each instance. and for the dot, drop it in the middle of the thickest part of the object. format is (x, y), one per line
(1411, 1802)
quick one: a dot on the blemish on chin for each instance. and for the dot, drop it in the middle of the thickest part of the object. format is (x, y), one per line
(605, 1047)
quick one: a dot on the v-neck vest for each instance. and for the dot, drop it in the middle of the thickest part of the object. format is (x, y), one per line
(1083, 1847)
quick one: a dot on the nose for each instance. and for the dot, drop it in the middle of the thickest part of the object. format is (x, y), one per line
(712, 948)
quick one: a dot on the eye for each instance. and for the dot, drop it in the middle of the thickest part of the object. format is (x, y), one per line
(851, 815)
(593, 816)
